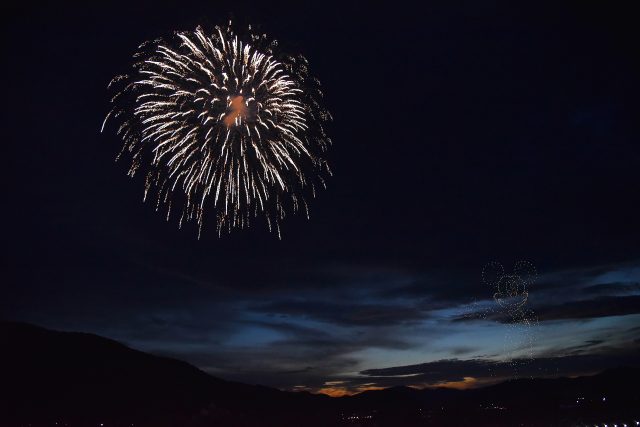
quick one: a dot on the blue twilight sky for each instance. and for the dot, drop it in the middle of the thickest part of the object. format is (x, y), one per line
(342, 339)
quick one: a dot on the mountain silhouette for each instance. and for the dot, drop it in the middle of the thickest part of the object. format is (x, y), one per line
(78, 379)
(83, 379)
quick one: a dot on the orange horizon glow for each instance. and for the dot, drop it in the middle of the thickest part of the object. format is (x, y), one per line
(466, 383)
(343, 391)
(335, 389)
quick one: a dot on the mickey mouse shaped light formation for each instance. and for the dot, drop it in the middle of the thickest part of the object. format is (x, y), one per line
(510, 290)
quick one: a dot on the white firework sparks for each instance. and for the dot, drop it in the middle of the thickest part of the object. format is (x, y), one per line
(221, 122)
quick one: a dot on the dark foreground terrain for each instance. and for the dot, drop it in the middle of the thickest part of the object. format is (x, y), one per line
(50, 378)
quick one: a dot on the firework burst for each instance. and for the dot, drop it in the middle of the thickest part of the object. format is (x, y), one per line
(223, 123)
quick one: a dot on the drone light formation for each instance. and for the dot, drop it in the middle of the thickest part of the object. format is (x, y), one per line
(223, 123)
(511, 296)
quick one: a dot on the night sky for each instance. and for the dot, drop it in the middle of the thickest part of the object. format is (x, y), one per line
(464, 132)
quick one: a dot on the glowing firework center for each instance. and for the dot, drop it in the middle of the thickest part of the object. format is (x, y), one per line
(237, 111)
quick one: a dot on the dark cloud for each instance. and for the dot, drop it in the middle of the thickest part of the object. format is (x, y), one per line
(306, 370)
(435, 290)
(584, 309)
(286, 359)
(441, 370)
(453, 370)
(457, 351)
(615, 288)
(598, 307)
(346, 313)
(482, 370)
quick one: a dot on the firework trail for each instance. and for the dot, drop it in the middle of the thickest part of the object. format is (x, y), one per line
(218, 122)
